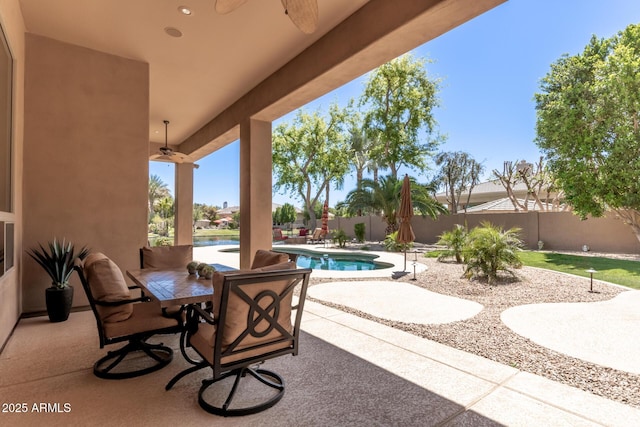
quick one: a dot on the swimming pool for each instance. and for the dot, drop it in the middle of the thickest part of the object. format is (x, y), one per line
(336, 261)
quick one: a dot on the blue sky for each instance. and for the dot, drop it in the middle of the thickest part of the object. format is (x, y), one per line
(490, 69)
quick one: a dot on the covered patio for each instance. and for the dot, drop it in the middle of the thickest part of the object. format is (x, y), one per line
(93, 83)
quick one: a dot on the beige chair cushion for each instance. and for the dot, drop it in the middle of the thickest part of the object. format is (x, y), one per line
(238, 310)
(218, 279)
(107, 284)
(167, 256)
(264, 258)
(203, 342)
(145, 317)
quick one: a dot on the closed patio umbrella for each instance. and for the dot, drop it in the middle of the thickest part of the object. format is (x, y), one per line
(405, 233)
(325, 219)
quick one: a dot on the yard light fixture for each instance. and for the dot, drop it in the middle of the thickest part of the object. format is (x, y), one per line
(591, 271)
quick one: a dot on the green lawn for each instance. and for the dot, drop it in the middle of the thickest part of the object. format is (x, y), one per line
(621, 272)
(216, 232)
(618, 271)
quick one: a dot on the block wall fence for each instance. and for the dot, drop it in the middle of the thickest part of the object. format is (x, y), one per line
(558, 230)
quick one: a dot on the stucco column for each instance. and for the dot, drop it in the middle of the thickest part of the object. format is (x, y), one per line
(255, 189)
(184, 204)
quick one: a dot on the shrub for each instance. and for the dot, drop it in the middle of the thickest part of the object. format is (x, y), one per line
(489, 249)
(455, 241)
(163, 241)
(391, 244)
(359, 231)
(341, 237)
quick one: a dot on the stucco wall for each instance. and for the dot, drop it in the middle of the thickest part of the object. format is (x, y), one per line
(86, 156)
(10, 290)
(558, 230)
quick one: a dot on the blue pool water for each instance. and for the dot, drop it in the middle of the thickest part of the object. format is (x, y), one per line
(340, 261)
(335, 260)
(356, 261)
(330, 263)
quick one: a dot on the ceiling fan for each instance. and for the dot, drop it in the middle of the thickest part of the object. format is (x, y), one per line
(303, 13)
(166, 154)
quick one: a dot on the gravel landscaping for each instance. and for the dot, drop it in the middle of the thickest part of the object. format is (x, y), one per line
(486, 335)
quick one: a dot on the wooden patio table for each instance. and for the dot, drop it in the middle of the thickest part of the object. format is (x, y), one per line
(172, 287)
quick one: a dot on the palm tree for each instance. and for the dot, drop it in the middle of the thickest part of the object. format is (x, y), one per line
(157, 190)
(166, 210)
(455, 241)
(383, 198)
(490, 249)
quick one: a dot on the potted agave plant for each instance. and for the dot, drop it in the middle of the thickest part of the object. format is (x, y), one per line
(57, 261)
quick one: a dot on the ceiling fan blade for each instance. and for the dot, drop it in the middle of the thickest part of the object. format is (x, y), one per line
(181, 157)
(303, 13)
(225, 6)
(163, 158)
(166, 153)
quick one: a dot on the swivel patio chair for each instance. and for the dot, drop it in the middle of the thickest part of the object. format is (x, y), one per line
(177, 256)
(166, 256)
(122, 318)
(251, 324)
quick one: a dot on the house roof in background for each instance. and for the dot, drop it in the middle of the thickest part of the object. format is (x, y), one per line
(502, 205)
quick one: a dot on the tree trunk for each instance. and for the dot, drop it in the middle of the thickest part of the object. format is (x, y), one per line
(454, 207)
(631, 217)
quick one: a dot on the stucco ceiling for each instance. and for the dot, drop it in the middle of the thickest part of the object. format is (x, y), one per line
(253, 62)
(194, 77)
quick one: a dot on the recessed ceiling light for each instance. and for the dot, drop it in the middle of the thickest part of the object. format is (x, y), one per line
(173, 32)
(185, 10)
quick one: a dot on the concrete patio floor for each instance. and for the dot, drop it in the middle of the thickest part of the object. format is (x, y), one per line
(487, 390)
(350, 371)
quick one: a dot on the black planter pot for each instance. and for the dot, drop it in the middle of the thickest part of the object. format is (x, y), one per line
(59, 303)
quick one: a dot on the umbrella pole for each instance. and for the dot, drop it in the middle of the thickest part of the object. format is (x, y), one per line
(405, 258)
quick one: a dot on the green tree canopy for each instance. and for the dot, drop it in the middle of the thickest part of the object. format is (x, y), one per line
(157, 190)
(383, 197)
(588, 114)
(310, 154)
(287, 213)
(399, 99)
